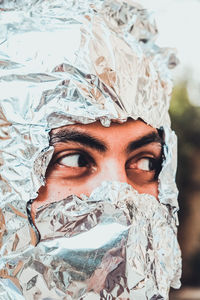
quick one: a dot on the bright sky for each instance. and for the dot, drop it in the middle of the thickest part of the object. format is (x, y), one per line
(178, 22)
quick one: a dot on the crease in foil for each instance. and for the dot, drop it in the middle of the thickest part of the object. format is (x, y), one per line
(67, 62)
(77, 260)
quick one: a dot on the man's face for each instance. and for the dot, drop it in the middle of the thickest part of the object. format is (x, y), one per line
(86, 155)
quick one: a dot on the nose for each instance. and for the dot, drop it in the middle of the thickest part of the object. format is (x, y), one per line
(113, 170)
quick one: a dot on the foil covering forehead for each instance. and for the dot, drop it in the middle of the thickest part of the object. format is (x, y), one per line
(88, 60)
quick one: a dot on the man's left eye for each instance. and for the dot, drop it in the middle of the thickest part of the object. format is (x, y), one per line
(145, 164)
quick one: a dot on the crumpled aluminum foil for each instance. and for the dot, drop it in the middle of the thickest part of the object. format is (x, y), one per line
(75, 259)
(63, 62)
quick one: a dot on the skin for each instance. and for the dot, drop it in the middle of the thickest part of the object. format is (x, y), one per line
(86, 155)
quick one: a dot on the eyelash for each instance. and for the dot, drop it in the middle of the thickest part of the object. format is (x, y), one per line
(84, 155)
(156, 162)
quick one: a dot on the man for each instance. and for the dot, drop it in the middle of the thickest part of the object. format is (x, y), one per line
(88, 157)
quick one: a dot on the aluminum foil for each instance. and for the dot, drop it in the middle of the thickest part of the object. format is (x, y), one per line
(75, 259)
(67, 62)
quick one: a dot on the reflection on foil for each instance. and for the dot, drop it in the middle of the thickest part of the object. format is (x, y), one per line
(102, 248)
(70, 61)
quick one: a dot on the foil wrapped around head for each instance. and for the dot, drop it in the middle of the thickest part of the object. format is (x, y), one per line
(64, 62)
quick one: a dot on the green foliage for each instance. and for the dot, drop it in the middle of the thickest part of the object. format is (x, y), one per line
(186, 123)
(185, 119)
(179, 102)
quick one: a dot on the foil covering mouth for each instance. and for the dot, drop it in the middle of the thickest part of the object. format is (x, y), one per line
(102, 246)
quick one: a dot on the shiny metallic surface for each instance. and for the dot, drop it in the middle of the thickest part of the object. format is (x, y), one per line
(75, 258)
(67, 62)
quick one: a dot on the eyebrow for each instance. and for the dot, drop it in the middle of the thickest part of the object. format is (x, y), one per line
(85, 139)
(64, 136)
(152, 137)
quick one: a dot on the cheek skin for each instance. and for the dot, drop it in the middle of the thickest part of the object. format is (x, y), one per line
(56, 190)
(150, 189)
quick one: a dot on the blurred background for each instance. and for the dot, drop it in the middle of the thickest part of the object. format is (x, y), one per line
(178, 23)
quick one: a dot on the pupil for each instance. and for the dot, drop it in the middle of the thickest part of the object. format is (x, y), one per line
(82, 162)
(151, 165)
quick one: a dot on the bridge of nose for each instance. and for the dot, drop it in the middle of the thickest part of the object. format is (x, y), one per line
(113, 169)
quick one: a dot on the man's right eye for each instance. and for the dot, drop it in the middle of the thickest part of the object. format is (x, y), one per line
(76, 160)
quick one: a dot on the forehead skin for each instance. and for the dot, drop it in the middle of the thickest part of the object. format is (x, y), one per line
(132, 128)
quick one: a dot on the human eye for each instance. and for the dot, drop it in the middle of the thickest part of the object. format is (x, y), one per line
(144, 169)
(71, 164)
(147, 164)
(74, 160)
(144, 164)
